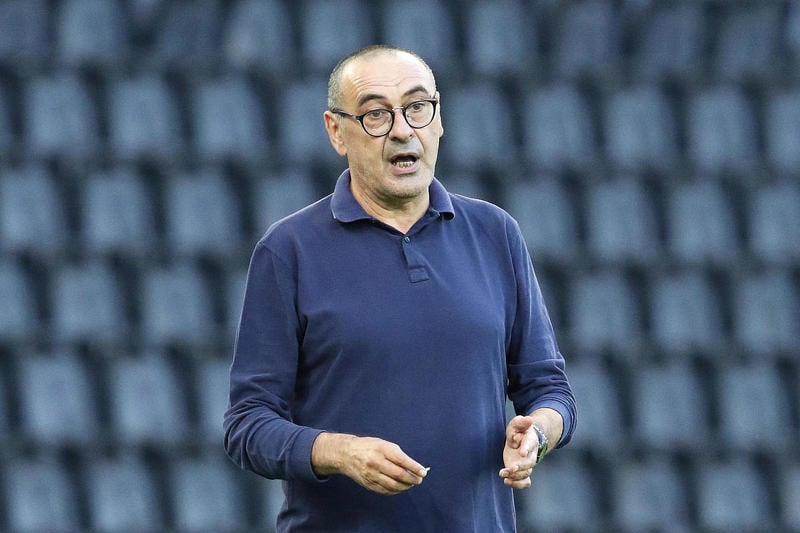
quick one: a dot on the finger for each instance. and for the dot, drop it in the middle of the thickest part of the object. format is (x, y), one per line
(401, 474)
(520, 475)
(514, 468)
(397, 456)
(530, 441)
(386, 485)
(523, 484)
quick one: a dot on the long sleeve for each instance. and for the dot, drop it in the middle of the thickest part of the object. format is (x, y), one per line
(536, 371)
(259, 433)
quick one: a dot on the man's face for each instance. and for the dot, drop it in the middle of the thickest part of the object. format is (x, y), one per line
(400, 165)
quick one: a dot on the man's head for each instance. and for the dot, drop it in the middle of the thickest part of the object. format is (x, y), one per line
(399, 165)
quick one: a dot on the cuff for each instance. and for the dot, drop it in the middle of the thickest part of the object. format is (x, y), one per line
(300, 456)
(566, 416)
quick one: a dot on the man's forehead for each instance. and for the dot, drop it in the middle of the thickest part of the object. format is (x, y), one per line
(386, 72)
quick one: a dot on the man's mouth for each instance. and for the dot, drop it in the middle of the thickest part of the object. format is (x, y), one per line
(404, 160)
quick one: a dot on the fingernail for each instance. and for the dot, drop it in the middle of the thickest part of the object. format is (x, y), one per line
(424, 472)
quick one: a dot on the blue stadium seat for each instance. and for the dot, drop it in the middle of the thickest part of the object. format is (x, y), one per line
(88, 305)
(782, 130)
(161, 420)
(122, 496)
(189, 35)
(748, 43)
(672, 44)
(753, 392)
(547, 218)
(117, 215)
(478, 125)
(202, 216)
(774, 214)
(701, 224)
(19, 320)
(766, 314)
(667, 399)
(40, 497)
(24, 41)
(176, 307)
(686, 314)
(721, 131)
(501, 39)
(60, 119)
(621, 222)
(92, 33)
(258, 37)
(603, 314)
(331, 30)
(789, 496)
(570, 501)
(303, 137)
(587, 41)
(427, 28)
(649, 496)
(600, 403)
(144, 121)
(56, 401)
(212, 387)
(271, 499)
(205, 495)
(278, 196)
(731, 497)
(558, 129)
(640, 129)
(228, 122)
(32, 218)
(6, 132)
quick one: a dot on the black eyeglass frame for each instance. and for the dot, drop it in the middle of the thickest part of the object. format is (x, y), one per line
(360, 118)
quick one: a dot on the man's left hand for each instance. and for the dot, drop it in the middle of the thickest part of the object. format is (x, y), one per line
(519, 452)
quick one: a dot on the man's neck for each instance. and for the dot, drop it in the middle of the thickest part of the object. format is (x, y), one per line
(401, 215)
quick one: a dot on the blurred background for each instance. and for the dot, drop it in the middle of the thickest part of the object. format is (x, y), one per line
(649, 149)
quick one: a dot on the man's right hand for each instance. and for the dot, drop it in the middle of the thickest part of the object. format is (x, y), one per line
(375, 464)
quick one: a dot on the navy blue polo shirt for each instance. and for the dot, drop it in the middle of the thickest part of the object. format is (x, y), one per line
(350, 326)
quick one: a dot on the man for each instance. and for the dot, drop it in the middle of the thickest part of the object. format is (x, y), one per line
(382, 328)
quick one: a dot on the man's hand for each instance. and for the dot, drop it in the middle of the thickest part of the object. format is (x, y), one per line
(375, 464)
(519, 452)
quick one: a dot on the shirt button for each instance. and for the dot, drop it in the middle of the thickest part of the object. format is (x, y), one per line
(406, 239)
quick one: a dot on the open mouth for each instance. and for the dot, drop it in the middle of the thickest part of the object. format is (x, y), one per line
(404, 160)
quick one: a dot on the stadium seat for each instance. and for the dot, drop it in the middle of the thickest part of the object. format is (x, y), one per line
(303, 137)
(748, 43)
(189, 35)
(19, 320)
(56, 401)
(570, 486)
(587, 42)
(212, 386)
(205, 495)
(122, 496)
(621, 222)
(228, 122)
(144, 121)
(640, 129)
(202, 216)
(672, 43)
(774, 214)
(721, 131)
(258, 37)
(6, 131)
(782, 130)
(667, 400)
(686, 314)
(24, 40)
(766, 314)
(603, 315)
(271, 500)
(91, 33)
(600, 403)
(278, 196)
(40, 497)
(478, 124)
(749, 393)
(32, 218)
(88, 305)
(789, 496)
(501, 39)
(331, 30)
(558, 130)
(731, 497)
(701, 224)
(649, 496)
(547, 218)
(176, 307)
(117, 215)
(464, 183)
(161, 420)
(426, 27)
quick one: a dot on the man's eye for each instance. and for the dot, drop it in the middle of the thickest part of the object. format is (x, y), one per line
(375, 115)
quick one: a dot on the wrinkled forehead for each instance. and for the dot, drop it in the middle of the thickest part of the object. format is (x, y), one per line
(387, 73)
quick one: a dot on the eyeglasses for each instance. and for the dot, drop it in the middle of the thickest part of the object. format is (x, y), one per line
(379, 122)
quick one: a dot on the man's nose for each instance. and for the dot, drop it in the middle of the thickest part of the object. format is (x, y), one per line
(400, 131)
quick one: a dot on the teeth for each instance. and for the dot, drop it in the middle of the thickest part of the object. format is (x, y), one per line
(404, 164)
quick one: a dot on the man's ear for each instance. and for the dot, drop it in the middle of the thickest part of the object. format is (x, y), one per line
(334, 128)
(439, 112)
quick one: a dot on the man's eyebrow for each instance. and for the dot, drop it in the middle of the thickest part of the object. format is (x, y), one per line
(373, 96)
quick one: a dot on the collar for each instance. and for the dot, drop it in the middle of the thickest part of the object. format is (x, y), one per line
(345, 207)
